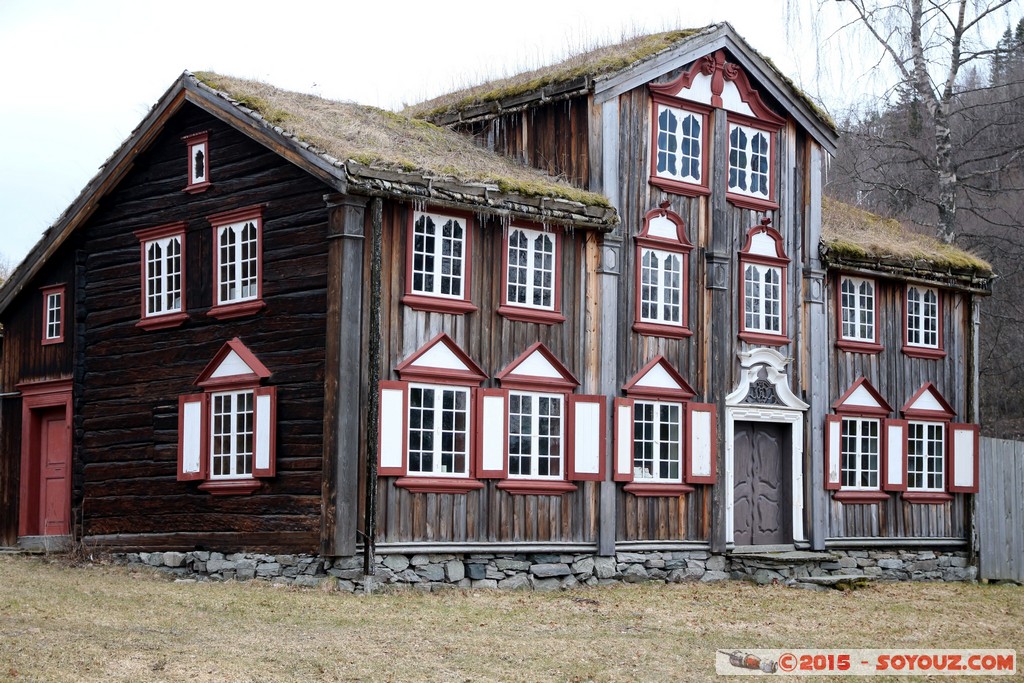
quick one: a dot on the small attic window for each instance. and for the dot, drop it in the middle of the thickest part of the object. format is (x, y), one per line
(198, 162)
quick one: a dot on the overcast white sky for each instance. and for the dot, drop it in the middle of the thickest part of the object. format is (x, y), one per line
(78, 76)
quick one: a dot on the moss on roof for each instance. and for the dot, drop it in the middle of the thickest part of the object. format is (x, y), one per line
(852, 234)
(590, 64)
(390, 141)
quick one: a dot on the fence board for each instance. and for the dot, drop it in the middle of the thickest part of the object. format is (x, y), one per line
(1000, 509)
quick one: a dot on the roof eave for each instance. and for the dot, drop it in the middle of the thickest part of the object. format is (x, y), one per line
(922, 271)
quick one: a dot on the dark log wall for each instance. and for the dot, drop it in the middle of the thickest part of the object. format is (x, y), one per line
(24, 358)
(715, 227)
(127, 398)
(492, 341)
(897, 378)
(552, 137)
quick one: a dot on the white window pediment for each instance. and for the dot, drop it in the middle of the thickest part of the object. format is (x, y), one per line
(441, 359)
(232, 366)
(862, 398)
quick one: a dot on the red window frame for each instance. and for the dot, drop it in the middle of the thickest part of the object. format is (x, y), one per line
(62, 318)
(881, 412)
(927, 352)
(856, 345)
(155, 321)
(780, 261)
(526, 312)
(771, 129)
(674, 185)
(440, 303)
(192, 143)
(677, 244)
(237, 309)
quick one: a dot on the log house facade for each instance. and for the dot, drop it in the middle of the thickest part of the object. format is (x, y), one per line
(673, 359)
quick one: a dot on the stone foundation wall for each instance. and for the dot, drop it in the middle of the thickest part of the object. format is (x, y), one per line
(549, 571)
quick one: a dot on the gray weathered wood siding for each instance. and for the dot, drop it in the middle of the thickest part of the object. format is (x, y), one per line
(128, 391)
(492, 341)
(897, 377)
(1000, 510)
(717, 228)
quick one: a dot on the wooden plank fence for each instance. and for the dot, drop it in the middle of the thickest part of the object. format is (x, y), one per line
(1000, 510)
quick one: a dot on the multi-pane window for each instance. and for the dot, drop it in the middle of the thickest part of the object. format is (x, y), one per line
(238, 262)
(749, 161)
(661, 286)
(54, 312)
(231, 434)
(163, 275)
(438, 430)
(857, 303)
(859, 449)
(926, 456)
(438, 255)
(922, 317)
(535, 435)
(657, 442)
(680, 140)
(531, 269)
(762, 298)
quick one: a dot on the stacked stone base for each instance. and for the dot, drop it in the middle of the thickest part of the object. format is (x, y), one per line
(551, 571)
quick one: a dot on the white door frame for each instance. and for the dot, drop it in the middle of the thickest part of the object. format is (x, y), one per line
(784, 408)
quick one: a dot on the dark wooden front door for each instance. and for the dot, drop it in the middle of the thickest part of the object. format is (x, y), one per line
(761, 495)
(54, 495)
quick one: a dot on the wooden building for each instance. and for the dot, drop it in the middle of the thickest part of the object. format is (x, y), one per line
(661, 351)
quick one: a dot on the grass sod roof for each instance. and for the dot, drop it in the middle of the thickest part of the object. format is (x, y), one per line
(586, 66)
(854, 237)
(356, 136)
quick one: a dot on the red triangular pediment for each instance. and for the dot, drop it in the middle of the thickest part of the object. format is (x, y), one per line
(928, 403)
(232, 364)
(862, 398)
(441, 360)
(537, 368)
(658, 379)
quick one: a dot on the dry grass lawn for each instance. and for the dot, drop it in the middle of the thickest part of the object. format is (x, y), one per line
(107, 623)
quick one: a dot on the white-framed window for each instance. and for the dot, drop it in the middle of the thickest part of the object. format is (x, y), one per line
(163, 275)
(857, 306)
(750, 156)
(438, 255)
(231, 434)
(762, 298)
(439, 430)
(657, 441)
(535, 435)
(860, 451)
(198, 172)
(661, 286)
(922, 317)
(530, 274)
(926, 456)
(238, 262)
(680, 136)
(53, 309)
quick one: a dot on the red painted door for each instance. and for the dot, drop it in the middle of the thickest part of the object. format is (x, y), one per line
(55, 494)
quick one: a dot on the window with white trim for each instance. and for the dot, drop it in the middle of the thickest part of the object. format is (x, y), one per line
(438, 255)
(860, 453)
(657, 441)
(661, 286)
(535, 435)
(231, 434)
(857, 307)
(238, 262)
(762, 298)
(530, 280)
(227, 433)
(680, 144)
(53, 315)
(750, 155)
(198, 172)
(163, 275)
(922, 316)
(439, 425)
(926, 456)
